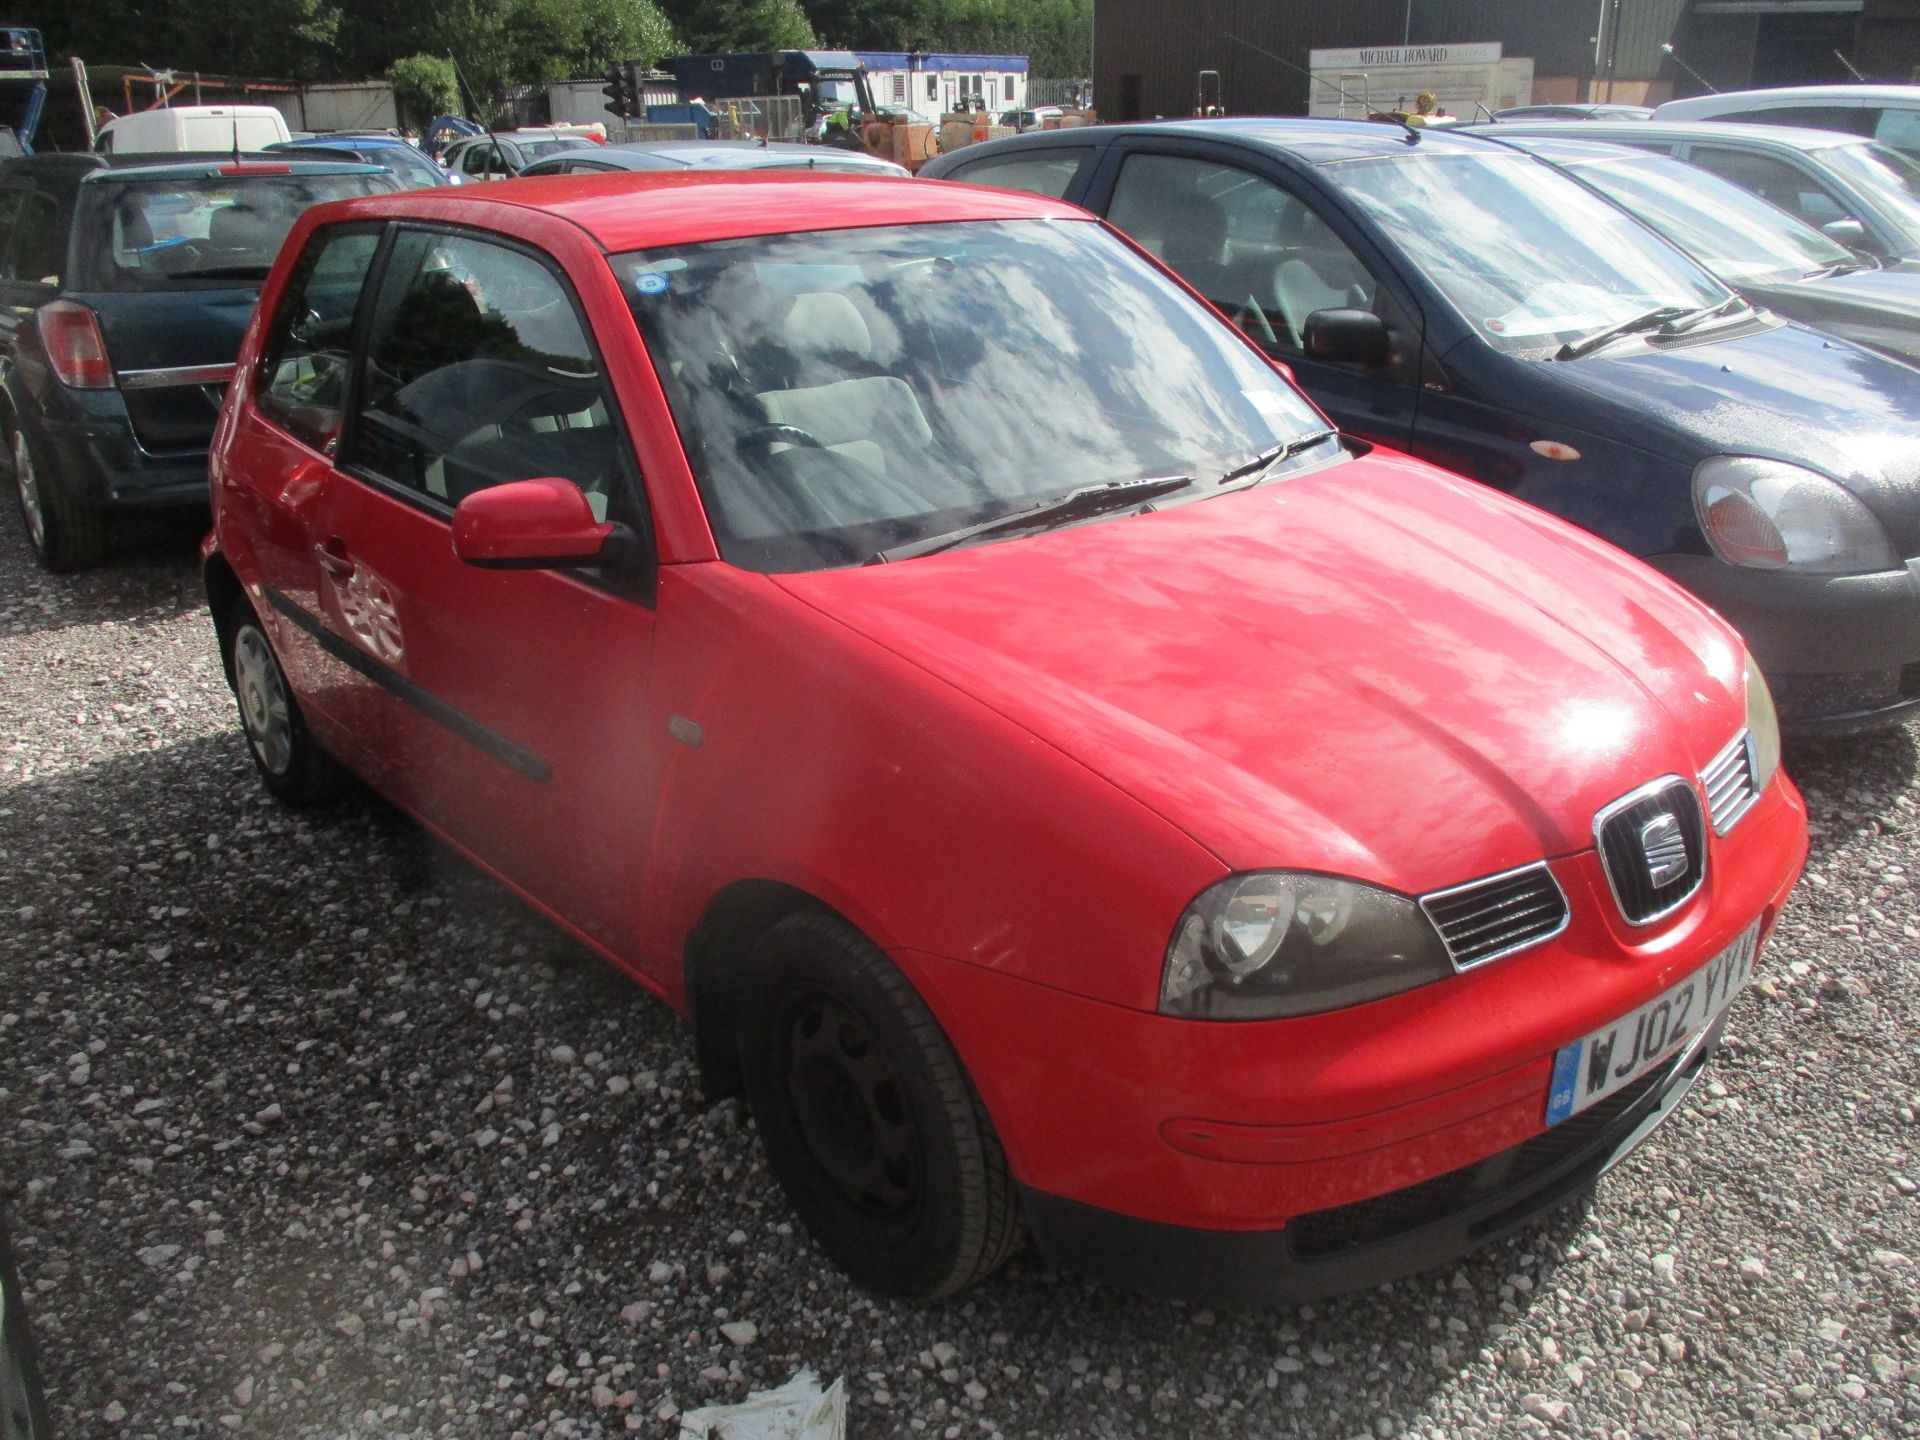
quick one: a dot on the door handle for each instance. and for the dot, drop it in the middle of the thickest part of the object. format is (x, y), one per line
(332, 557)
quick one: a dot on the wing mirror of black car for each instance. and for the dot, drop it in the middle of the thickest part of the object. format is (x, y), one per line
(1850, 233)
(1358, 336)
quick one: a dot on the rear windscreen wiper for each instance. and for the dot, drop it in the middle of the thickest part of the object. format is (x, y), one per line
(1650, 320)
(1080, 504)
(222, 272)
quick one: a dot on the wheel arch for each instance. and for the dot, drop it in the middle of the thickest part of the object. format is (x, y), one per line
(223, 589)
(715, 961)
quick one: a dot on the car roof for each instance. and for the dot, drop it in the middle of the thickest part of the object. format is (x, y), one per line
(1778, 137)
(1793, 95)
(634, 210)
(721, 155)
(1568, 150)
(1316, 141)
(340, 140)
(180, 167)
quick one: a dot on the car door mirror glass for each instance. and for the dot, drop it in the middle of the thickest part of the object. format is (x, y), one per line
(546, 523)
(1357, 336)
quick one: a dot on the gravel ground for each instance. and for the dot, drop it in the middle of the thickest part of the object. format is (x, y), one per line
(307, 1130)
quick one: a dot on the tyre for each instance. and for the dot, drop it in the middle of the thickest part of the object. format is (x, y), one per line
(23, 1409)
(868, 1119)
(293, 767)
(65, 531)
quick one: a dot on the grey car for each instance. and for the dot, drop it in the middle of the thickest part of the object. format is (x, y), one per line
(708, 155)
(1771, 258)
(1862, 194)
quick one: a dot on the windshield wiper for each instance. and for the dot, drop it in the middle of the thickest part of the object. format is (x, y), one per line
(1732, 305)
(222, 272)
(1650, 320)
(1255, 470)
(1827, 272)
(1083, 503)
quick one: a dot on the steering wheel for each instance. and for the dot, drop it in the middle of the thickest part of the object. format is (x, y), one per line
(765, 437)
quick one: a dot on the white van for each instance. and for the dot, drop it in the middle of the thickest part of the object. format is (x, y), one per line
(195, 127)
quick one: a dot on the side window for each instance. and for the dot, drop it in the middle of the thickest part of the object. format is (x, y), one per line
(476, 159)
(478, 373)
(12, 202)
(1253, 249)
(40, 255)
(308, 351)
(1774, 180)
(1851, 118)
(1039, 172)
(1899, 129)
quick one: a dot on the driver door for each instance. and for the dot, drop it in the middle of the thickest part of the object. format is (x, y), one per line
(1268, 258)
(503, 706)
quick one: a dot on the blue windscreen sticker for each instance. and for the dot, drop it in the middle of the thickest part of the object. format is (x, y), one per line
(651, 283)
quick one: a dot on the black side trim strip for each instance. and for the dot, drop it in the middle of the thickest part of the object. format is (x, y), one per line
(431, 705)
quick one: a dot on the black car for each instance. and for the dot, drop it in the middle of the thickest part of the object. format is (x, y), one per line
(23, 1408)
(125, 284)
(1865, 195)
(1770, 257)
(1452, 296)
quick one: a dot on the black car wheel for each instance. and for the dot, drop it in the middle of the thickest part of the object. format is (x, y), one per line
(23, 1408)
(66, 533)
(868, 1119)
(293, 767)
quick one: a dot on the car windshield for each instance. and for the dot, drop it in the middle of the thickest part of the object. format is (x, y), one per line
(845, 392)
(540, 149)
(414, 169)
(1889, 178)
(1732, 231)
(198, 231)
(1530, 258)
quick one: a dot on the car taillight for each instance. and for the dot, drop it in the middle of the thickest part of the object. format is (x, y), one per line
(75, 346)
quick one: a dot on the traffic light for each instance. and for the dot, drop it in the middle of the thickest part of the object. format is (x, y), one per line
(619, 92)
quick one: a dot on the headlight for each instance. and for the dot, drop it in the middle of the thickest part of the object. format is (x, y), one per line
(1275, 943)
(1763, 729)
(1768, 515)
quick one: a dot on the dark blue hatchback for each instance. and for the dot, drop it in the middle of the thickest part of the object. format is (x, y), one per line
(1454, 298)
(125, 284)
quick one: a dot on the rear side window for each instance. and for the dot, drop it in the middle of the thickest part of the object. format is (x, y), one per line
(1851, 118)
(1039, 172)
(303, 389)
(478, 373)
(1899, 129)
(198, 232)
(40, 253)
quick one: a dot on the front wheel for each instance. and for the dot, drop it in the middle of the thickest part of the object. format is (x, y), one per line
(292, 766)
(868, 1119)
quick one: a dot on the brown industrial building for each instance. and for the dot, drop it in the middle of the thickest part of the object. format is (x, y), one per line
(1148, 55)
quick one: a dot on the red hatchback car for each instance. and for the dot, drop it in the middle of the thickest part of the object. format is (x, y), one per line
(1066, 784)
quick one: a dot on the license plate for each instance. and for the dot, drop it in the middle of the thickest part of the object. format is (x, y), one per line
(1613, 1057)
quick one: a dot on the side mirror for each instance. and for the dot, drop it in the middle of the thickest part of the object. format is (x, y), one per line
(1358, 336)
(529, 525)
(1850, 233)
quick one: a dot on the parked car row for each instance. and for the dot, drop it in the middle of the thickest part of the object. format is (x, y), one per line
(902, 625)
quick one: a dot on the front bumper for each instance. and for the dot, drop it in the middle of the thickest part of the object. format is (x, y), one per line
(1841, 652)
(1219, 1138)
(1370, 1242)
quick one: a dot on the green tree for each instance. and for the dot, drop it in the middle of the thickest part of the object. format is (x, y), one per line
(424, 86)
(713, 26)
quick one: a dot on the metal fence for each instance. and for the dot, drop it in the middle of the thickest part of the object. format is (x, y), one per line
(758, 117)
(1058, 92)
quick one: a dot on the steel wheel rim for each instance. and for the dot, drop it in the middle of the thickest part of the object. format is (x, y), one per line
(28, 486)
(264, 709)
(851, 1110)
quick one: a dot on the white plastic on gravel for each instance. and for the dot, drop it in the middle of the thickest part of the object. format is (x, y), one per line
(307, 1130)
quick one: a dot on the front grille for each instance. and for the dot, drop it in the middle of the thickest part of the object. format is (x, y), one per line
(1633, 835)
(1322, 1233)
(1485, 919)
(1728, 781)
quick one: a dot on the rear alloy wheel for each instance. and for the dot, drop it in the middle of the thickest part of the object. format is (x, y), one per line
(868, 1119)
(66, 533)
(294, 768)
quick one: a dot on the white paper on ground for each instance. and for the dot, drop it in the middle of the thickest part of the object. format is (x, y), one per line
(797, 1410)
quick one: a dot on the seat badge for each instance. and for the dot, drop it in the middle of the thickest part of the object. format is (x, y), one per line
(1665, 850)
